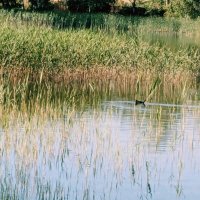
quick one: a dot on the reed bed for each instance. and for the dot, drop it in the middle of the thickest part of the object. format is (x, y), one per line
(33, 92)
(41, 46)
(106, 22)
(44, 64)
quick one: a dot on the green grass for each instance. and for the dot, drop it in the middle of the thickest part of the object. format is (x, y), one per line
(38, 54)
(41, 46)
(106, 22)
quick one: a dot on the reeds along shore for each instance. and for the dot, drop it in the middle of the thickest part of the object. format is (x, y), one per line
(47, 48)
(28, 90)
(46, 63)
(106, 22)
(26, 41)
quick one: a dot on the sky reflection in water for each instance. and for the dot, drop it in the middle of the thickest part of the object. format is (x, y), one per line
(117, 151)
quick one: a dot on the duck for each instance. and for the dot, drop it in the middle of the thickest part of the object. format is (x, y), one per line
(137, 102)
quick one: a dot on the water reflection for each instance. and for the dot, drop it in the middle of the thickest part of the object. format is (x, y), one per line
(116, 151)
(173, 41)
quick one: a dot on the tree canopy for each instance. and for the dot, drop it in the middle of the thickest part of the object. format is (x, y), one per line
(175, 8)
(183, 8)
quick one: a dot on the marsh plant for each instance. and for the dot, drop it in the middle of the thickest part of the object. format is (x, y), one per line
(47, 65)
(33, 41)
(43, 47)
(109, 23)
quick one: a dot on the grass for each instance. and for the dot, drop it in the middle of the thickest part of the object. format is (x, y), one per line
(107, 22)
(49, 58)
(80, 89)
(44, 47)
(35, 40)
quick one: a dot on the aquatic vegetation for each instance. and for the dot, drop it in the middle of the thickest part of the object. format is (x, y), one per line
(39, 45)
(23, 89)
(106, 22)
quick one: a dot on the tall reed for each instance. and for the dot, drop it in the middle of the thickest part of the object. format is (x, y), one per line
(32, 46)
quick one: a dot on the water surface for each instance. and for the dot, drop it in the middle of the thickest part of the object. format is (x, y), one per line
(114, 151)
(174, 41)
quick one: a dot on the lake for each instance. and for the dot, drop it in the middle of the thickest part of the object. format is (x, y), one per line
(107, 147)
(115, 150)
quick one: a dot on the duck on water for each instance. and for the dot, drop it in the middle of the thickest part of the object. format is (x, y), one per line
(137, 102)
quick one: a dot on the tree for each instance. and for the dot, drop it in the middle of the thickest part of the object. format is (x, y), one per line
(33, 4)
(135, 9)
(183, 8)
(39, 4)
(90, 5)
(167, 2)
(8, 3)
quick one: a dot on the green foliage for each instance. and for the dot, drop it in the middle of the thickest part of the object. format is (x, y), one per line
(90, 5)
(40, 4)
(184, 8)
(33, 4)
(8, 3)
(35, 45)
